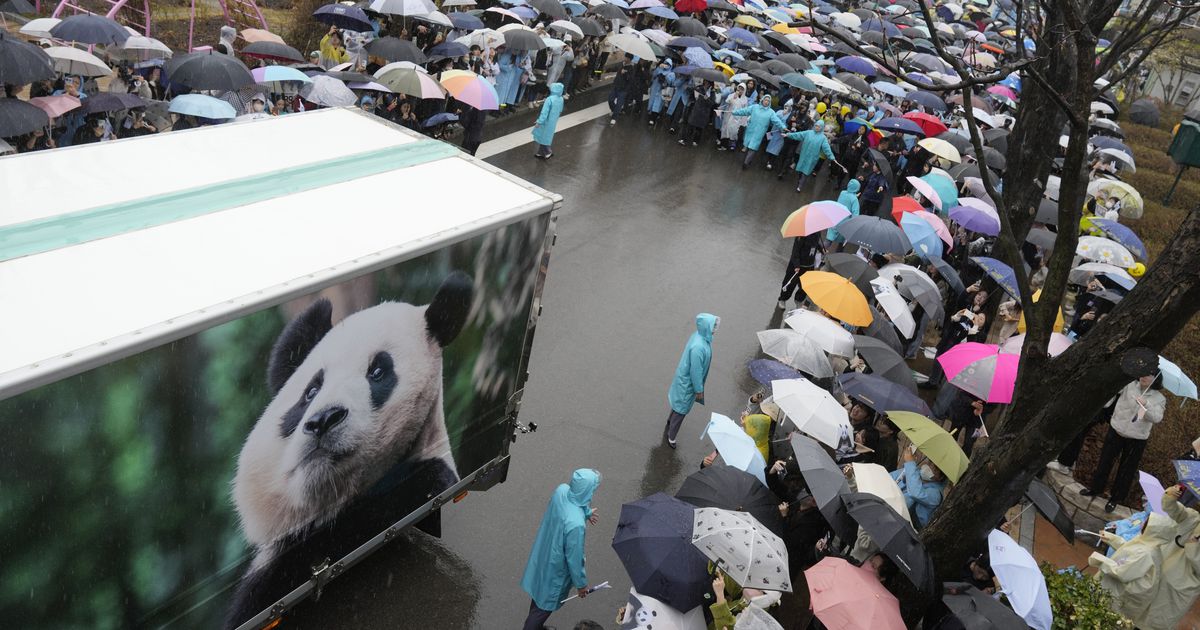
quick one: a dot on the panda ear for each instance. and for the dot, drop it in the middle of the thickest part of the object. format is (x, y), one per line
(448, 311)
(298, 338)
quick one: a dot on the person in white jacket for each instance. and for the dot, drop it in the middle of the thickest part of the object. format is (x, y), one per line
(1139, 407)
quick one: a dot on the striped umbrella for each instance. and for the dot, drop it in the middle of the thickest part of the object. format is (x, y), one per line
(470, 88)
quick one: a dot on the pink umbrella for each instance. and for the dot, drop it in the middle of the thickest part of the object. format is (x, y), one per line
(814, 217)
(56, 106)
(981, 370)
(939, 226)
(846, 597)
(1003, 91)
(1058, 344)
(473, 90)
(926, 190)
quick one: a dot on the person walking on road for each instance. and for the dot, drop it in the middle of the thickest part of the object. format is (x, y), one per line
(543, 129)
(556, 562)
(806, 256)
(621, 85)
(688, 386)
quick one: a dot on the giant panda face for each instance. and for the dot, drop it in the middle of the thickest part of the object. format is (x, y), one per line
(351, 401)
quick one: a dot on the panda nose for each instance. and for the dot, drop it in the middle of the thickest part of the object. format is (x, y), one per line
(324, 421)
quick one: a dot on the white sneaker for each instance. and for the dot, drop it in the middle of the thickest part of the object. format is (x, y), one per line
(781, 304)
(1058, 467)
(612, 121)
(681, 142)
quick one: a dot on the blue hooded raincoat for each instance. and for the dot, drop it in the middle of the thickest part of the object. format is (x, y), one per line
(543, 129)
(848, 198)
(682, 95)
(508, 82)
(762, 118)
(556, 562)
(660, 79)
(815, 144)
(693, 365)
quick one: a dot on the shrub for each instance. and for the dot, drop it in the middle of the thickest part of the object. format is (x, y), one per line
(1080, 603)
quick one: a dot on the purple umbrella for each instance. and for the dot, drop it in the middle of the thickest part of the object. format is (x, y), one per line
(342, 16)
(900, 125)
(698, 58)
(525, 12)
(766, 370)
(742, 36)
(976, 219)
(465, 21)
(857, 65)
(928, 99)
(1119, 233)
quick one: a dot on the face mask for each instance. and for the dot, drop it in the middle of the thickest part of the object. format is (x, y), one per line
(258, 107)
(716, 324)
(926, 473)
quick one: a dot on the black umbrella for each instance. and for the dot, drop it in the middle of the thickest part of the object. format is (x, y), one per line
(856, 82)
(947, 271)
(654, 543)
(687, 41)
(764, 76)
(884, 361)
(1139, 362)
(521, 39)
(19, 7)
(553, 8)
(775, 66)
(86, 28)
(991, 157)
(874, 37)
(609, 12)
(1051, 507)
(728, 488)
(997, 139)
(1041, 237)
(395, 49)
(690, 26)
(876, 234)
(345, 76)
(854, 269)
(748, 65)
(928, 99)
(797, 62)
(1047, 212)
(342, 16)
(914, 286)
(208, 71)
(1108, 295)
(721, 5)
(881, 394)
(885, 167)
(978, 610)
(710, 74)
(894, 536)
(272, 50)
(826, 483)
(882, 329)
(22, 62)
(1105, 142)
(18, 117)
(589, 26)
(110, 102)
(959, 141)
(782, 43)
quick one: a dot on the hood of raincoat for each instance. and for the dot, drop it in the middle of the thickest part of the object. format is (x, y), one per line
(1161, 527)
(853, 186)
(227, 34)
(556, 89)
(706, 325)
(758, 427)
(583, 485)
(819, 125)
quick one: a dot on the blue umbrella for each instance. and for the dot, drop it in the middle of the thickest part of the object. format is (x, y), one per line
(736, 447)
(900, 125)
(1175, 381)
(342, 16)
(1012, 81)
(891, 89)
(1123, 235)
(698, 58)
(924, 238)
(852, 125)
(465, 21)
(742, 36)
(619, 3)
(917, 78)
(525, 12)
(1000, 272)
(725, 54)
(766, 370)
(438, 119)
(654, 543)
(201, 106)
(857, 65)
(1106, 142)
(880, 394)
(799, 81)
(575, 8)
(663, 12)
(876, 24)
(448, 50)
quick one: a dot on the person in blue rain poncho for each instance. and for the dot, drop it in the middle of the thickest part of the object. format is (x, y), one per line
(509, 80)
(848, 198)
(543, 129)
(813, 145)
(688, 386)
(556, 562)
(761, 119)
(680, 99)
(659, 80)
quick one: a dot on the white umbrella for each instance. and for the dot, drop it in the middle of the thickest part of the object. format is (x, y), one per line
(875, 479)
(395, 65)
(437, 17)
(633, 45)
(1105, 123)
(403, 7)
(458, 3)
(327, 92)
(1104, 250)
(1122, 156)
(824, 332)
(894, 305)
(566, 26)
(514, 27)
(6, 148)
(742, 548)
(1083, 273)
(824, 82)
(736, 447)
(554, 44)
(643, 611)
(484, 38)
(813, 410)
(70, 60)
(1021, 580)
(1102, 108)
(39, 28)
(146, 48)
(794, 349)
(849, 20)
(657, 36)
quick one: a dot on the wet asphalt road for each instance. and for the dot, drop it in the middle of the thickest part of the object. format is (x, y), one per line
(650, 234)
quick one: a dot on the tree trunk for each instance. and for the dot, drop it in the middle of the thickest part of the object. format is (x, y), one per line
(1067, 392)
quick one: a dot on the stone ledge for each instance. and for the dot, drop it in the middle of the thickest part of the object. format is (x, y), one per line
(1087, 512)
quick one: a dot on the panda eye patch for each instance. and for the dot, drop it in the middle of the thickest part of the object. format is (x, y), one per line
(381, 377)
(292, 418)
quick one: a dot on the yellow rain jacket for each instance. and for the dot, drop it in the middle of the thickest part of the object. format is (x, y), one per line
(1180, 582)
(1134, 572)
(758, 427)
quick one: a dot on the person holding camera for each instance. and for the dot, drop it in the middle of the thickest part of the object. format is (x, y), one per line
(1139, 407)
(333, 49)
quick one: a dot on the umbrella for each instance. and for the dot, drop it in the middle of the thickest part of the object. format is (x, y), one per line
(980, 218)
(562, 26)
(795, 350)
(857, 65)
(821, 330)
(710, 74)
(18, 117)
(610, 12)
(880, 394)
(1001, 273)
(979, 611)
(882, 330)
(940, 148)
(342, 16)
(589, 26)
(837, 296)
(1021, 580)
(1051, 507)
(981, 370)
(847, 597)
(890, 89)
(1058, 344)
(1083, 273)
(689, 25)
(948, 273)
(396, 49)
(766, 370)
(813, 411)
(411, 82)
(922, 234)
(552, 8)
(663, 12)
(926, 189)
(876, 480)
(22, 62)
(1123, 235)
(917, 285)
(654, 543)
(929, 100)
(932, 440)
(826, 484)
(111, 102)
(1104, 250)
(1175, 380)
(736, 447)
(438, 119)
(641, 608)
(449, 50)
(1139, 362)
(728, 488)
(403, 7)
(327, 91)
(854, 269)
(86, 28)
(1131, 200)
(894, 306)
(277, 74)
(473, 90)
(272, 50)
(201, 106)
(884, 361)
(19, 7)
(37, 28)
(796, 61)
(56, 106)
(468, 22)
(894, 536)
(632, 44)
(875, 234)
(208, 71)
(145, 48)
(742, 548)
(900, 125)
(800, 81)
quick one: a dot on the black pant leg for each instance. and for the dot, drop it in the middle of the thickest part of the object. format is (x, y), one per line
(1108, 456)
(1131, 458)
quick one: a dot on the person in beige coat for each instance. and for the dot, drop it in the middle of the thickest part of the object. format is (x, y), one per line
(1180, 581)
(1133, 575)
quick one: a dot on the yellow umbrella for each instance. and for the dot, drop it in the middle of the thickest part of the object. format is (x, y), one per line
(939, 446)
(1059, 322)
(837, 296)
(749, 21)
(785, 29)
(724, 67)
(941, 148)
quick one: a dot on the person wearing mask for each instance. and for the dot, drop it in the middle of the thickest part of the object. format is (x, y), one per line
(1139, 407)
(760, 118)
(92, 131)
(135, 125)
(556, 561)
(806, 256)
(687, 388)
(731, 126)
(922, 487)
(547, 121)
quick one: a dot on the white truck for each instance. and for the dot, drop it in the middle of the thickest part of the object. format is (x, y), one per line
(235, 360)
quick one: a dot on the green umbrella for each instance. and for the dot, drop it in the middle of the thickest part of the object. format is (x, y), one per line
(945, 189)
(932, 440)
